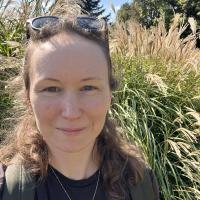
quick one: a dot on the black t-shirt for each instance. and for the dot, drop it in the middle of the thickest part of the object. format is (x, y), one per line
(50, 188)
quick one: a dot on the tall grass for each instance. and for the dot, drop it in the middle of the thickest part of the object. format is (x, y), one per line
(13, 16)
(158, 103)
(131, 39)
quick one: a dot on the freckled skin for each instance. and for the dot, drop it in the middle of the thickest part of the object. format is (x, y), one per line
(78, 98)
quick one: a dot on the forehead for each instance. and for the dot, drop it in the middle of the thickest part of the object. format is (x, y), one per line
(68, 52)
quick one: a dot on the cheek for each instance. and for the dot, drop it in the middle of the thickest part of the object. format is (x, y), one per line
(44, 111)
(97, 106)
(96, 113)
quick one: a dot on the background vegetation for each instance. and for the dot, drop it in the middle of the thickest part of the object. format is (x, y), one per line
(148, 12)
(94, 8)
(158, 102)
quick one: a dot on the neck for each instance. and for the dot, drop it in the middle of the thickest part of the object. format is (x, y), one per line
(75, 165)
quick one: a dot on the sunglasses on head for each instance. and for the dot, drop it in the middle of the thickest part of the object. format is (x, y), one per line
(87, 23)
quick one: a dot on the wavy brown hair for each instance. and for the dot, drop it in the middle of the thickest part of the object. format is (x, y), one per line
(121, 163)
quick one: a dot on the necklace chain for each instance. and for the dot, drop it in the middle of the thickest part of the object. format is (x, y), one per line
(66, 190)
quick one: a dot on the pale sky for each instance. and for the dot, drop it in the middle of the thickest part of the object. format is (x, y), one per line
(117, 3)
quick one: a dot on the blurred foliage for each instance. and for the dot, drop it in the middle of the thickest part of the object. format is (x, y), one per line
(9, 68)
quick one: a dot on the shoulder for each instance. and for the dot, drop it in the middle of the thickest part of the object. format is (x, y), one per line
(147, 188)
(144, 184)
(2, 177)
(150, 180)
(15, 180)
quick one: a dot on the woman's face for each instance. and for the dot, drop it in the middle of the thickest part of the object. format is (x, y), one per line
(69, 91)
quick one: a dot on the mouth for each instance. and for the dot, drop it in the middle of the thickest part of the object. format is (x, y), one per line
(71, 131)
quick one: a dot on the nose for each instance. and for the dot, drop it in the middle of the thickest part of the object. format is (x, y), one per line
(71, 107)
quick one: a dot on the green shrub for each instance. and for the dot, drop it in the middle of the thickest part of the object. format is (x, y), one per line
(155, 110)
(10, 36)
(158, 103)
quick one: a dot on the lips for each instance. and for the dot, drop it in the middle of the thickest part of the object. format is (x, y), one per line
(70, 131)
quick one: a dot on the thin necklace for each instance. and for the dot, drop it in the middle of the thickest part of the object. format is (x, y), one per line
(66, 190)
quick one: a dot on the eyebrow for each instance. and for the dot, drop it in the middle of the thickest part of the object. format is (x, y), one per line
(50, 79)
(83, 80)
(91, 79)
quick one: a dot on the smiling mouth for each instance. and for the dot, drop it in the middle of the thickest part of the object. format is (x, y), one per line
(71, 131)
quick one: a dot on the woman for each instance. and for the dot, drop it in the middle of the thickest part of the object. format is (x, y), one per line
(65, 143)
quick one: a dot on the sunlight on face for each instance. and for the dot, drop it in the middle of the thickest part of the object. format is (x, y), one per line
(69, 91)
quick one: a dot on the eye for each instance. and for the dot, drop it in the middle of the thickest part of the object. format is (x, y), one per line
(88, 88)
(52, 89)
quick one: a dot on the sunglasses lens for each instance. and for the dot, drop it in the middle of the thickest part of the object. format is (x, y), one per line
(42, 21)
(89, 23)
